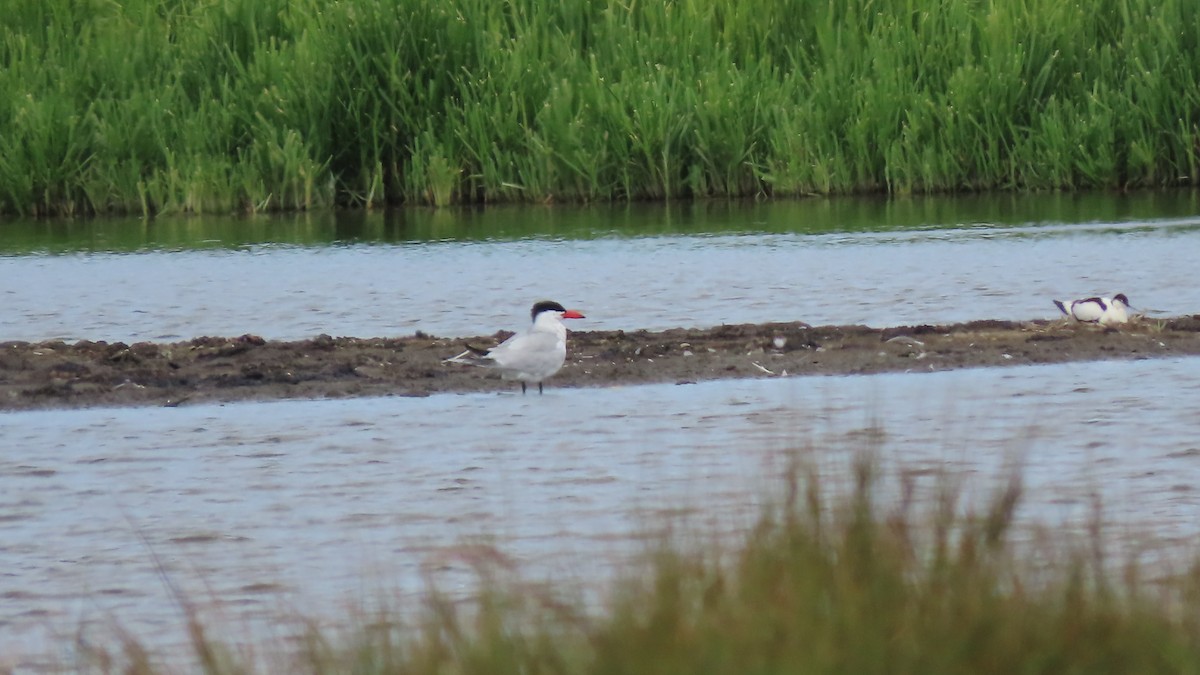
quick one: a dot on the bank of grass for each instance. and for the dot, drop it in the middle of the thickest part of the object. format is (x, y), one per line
(820, 585)
(149, 106)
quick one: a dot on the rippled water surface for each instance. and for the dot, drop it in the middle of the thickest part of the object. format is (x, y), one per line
(259, 512)
(868, 263)
(255, 511)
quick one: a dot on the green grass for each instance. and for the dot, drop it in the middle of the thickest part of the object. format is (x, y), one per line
(821, 584)
(149, 106)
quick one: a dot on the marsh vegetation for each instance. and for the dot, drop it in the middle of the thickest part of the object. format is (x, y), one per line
(152, 106)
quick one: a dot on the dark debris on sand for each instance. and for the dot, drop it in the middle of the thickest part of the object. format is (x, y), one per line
(56, 374)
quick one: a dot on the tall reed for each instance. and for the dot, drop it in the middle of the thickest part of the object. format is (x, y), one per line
(153, 106)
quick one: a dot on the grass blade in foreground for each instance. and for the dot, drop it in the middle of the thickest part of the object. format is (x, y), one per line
(820, 585)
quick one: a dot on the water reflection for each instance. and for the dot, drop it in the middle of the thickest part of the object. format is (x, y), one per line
(507, 223)
(452, 288)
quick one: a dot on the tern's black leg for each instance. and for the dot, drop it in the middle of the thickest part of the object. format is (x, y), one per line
(540, 392)
(522, 388)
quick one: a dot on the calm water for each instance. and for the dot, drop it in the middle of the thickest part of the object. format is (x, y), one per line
(651, 268)
(260, 511)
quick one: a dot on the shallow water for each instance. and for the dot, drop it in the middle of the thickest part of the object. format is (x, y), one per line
(264, 510)
(255, 511)
(863, 262)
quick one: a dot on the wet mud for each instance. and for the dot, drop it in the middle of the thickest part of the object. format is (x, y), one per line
(56, 374)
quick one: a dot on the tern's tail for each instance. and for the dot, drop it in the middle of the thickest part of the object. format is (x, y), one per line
(1062, 307)
(474, 356)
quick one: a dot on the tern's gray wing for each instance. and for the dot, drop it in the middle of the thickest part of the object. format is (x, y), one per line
(530, 356)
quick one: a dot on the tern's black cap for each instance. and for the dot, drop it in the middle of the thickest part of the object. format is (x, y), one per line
(545, 306)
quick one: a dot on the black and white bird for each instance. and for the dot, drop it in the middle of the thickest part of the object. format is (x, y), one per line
(531, 355)
(1104, 311)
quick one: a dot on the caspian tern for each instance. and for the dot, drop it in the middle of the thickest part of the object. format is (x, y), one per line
(1104, 311)
(530, 356)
